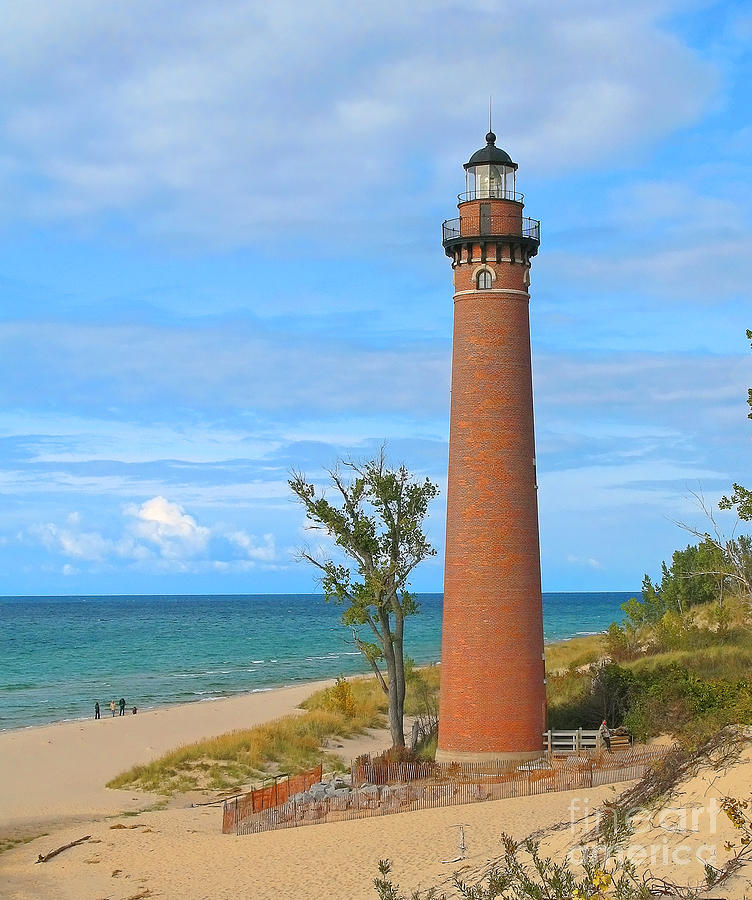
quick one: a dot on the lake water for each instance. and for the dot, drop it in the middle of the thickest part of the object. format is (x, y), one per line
(60, 654)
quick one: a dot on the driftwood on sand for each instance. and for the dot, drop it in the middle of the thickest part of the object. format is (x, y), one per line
(52, 853)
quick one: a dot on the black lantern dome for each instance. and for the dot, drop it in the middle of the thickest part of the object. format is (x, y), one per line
(490, 154)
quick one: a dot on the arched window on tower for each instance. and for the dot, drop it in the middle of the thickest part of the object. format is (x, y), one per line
(484, 280)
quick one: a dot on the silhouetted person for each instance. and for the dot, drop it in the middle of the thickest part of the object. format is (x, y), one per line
(122, 706)
(97, 713)
(135, 710)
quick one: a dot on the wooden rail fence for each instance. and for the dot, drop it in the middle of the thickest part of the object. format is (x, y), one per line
(411, 786)
(582, 739)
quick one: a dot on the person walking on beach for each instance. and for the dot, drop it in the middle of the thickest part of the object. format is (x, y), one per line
(97, 714)
(112, 707)
(122, 706)
(605, 735)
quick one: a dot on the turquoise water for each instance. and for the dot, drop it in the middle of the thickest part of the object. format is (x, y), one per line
(60, 654)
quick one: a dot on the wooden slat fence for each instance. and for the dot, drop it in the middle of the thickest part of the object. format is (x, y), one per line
(450, 784)
(272, 796)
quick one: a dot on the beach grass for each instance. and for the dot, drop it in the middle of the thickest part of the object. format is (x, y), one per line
(575, 652)
(731, 660)
(10, 843)
(288, 744)
(231, 760)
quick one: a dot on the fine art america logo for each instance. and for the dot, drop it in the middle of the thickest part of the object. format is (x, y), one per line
(644, 838)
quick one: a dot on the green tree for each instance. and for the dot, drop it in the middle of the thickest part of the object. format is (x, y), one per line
(741, 498)
(377, 523)
(696, 575)
(648, 609)
(701, 573)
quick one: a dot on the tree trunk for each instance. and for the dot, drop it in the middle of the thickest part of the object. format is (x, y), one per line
(395, 715)
(396, 699)
(399, 669)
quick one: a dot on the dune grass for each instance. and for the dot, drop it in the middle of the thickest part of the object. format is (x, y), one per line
(295, 742)
(578, 651)
(730, 660)
(689, 692)
(10, 842)
(291, 743)
(232, 760)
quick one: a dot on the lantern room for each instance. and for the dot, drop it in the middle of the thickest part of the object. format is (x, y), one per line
(490, 174)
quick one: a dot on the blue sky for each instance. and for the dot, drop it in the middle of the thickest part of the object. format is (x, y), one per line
(221, 259)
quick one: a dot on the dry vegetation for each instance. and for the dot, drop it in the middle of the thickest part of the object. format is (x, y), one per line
(576, 652)
(684, 675)
(292, 743)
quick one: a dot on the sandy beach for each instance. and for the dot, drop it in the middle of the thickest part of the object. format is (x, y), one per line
(52, 779)
(54, 774)
(52, 790)
(181, 854)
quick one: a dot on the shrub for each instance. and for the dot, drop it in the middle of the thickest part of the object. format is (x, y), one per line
(621, 643)
(523, 874)
(340, 698)
(675, 632)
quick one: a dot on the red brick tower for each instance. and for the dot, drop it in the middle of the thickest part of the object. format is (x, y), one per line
(492, 668)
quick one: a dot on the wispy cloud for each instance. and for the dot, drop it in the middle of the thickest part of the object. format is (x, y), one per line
(224, 367)
(584, 561)
(127, 111)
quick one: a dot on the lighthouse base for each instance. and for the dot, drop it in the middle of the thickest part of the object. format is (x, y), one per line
(500, 755)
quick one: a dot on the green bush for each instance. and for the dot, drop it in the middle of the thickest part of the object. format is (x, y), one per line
(685, 693)
(621, 643)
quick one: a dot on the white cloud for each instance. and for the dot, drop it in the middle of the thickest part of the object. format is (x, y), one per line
(248, 543)
(166, 525)
(588, 561)
(158, 535)
(85, 545)
(228, 121)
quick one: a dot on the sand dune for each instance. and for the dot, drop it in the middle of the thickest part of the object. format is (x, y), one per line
(52, 779)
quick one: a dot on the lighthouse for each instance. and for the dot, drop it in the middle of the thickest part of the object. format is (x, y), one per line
(492, 666)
